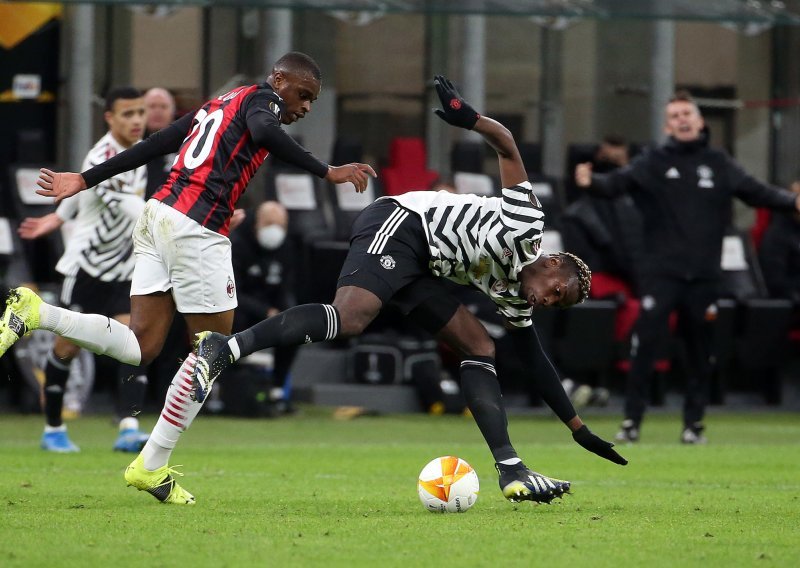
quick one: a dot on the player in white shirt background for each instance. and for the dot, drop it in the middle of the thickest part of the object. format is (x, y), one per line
(97, 266)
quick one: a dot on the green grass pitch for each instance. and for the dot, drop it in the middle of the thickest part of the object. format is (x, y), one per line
(312, 491)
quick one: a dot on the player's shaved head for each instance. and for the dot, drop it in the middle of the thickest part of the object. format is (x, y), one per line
(297, 63)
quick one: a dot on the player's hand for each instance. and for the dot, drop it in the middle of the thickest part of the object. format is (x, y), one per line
(583, 174)
(238, 217)
(357, 174)
(59, 185)
(597, 445)
(35, 227)
(455, 110)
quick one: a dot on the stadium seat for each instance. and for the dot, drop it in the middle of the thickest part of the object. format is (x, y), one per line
(761, 344)
(346, 150)
(14, 269)
(467, 156)
(584, 345)
(327, 258)
(41, 254)
(310, 220)
(552, 242)
(302, 195)
(407, 170)
(546, 190)
(741, 275)
(475, 183)
(761, 327)
(531, 154)
(348, 204)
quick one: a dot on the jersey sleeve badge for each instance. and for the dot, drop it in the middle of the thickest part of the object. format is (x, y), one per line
(275, 108)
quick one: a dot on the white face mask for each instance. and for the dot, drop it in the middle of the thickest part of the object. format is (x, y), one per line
(271, 236)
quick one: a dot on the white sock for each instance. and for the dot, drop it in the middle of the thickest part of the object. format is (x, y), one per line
(177, 415)
(234, 347)
(50, 429)
(98, 334)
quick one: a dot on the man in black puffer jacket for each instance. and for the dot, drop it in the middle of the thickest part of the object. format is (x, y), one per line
(684, 190)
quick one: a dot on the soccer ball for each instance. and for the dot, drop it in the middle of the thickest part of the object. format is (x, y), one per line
(448, 485)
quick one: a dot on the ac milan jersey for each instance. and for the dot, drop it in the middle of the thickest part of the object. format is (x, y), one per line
(482, 241)
(218, 157)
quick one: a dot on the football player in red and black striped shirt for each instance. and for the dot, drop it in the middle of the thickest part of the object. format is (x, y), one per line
(181, 245)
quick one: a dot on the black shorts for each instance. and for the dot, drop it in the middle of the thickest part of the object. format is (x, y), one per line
(389, 257)
(86, 294)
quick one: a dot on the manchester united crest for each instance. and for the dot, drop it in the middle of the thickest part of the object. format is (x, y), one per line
(500, 286)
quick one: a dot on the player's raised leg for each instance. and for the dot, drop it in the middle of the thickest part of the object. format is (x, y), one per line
(25, 311)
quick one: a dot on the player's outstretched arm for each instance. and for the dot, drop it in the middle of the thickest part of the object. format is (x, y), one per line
(59, 185)
(458, 112)
(167, 140)
(357, 174)
(36, 227)
(548, 385)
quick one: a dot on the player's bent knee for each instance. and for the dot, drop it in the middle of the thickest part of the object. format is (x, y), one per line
(353, 324)
(149, 352)
(481, 349)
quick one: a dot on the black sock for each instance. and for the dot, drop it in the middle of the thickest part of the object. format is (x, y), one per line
(56, 373)
(483, 397)
(132, 390)
(302, 324)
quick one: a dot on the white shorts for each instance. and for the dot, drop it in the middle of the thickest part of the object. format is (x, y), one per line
(175, 252)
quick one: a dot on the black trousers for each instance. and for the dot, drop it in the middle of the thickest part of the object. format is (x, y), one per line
(695, 302)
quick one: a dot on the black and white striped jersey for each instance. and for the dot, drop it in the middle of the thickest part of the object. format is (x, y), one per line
(106, 216)
(67, 210)
(482, 241)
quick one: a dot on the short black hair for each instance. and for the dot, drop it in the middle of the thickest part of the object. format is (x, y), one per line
(682, 95)
(298, 63)
(117, 93)
(615, 140)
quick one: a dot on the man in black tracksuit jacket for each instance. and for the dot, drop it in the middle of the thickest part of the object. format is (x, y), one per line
(683, 190)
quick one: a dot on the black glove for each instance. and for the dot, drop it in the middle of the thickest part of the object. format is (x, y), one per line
(597, 445)
(456, 110)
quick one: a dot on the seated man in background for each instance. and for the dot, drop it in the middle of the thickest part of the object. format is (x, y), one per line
(262, 268)
(605, 232)
(608, 234)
